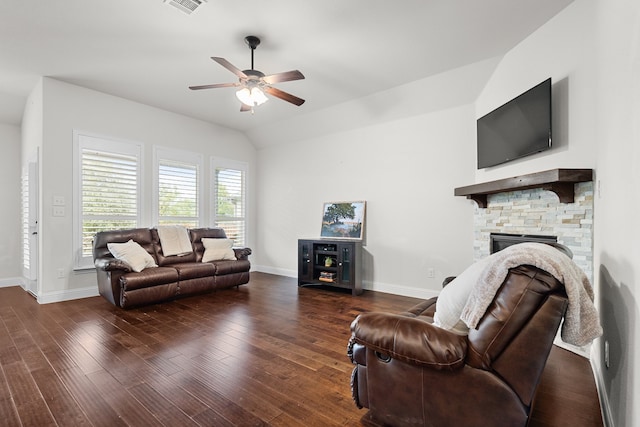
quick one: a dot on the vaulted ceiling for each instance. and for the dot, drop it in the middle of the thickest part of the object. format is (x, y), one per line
(150, 52)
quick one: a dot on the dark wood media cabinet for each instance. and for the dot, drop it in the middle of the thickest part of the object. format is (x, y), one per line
(330, 262)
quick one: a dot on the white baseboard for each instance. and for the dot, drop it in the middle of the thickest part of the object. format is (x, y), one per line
(274, 270)
(11, 281)
(602, 394)
(400, 290)
(67, 295)
(584, 351)
(368, 285)
(55, 296)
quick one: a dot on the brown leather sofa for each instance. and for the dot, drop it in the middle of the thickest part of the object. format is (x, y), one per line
(175, 275)
(411, 373)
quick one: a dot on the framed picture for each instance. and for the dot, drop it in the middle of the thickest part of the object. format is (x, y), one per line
(343, 220)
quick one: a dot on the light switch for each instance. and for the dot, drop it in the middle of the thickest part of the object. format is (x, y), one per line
(58, 211)
(58, 201)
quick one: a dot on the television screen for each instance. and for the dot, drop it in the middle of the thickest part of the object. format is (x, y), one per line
(518, 128)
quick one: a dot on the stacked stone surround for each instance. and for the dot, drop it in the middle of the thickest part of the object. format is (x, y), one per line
(539, 212)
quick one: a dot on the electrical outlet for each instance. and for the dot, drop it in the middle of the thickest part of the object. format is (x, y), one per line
(607, 361)
(61, 273)
(431, 273)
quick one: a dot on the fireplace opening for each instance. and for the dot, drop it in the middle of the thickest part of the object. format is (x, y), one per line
(499, 241)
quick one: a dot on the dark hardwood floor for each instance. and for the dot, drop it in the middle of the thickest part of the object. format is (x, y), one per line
(267, 353)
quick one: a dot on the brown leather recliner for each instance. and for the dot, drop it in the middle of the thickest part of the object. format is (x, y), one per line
(411, 373)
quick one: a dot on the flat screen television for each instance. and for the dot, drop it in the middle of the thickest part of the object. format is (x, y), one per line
(519, 128)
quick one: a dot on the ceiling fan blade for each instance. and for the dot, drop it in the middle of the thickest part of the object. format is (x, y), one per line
(244, 107)
(214, 86)
(229, 66)
(283, 77)
(284, 95)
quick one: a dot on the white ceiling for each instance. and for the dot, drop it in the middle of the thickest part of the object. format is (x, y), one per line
(150, 52)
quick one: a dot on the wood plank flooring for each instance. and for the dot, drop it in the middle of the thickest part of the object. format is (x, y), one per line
(268, 353)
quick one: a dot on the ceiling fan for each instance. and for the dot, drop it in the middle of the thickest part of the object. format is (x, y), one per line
(253, 83)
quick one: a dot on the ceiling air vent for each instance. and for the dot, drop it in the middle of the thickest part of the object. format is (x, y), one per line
(187, 6)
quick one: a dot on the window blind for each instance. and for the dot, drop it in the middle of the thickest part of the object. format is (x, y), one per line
(230, 203)
(26, 251)
(177, 193)
(109, 193)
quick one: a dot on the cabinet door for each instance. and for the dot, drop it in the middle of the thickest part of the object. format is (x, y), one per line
(305, 257)
(346, 264)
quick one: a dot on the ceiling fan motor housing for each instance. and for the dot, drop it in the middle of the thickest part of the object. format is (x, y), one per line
(255, 74)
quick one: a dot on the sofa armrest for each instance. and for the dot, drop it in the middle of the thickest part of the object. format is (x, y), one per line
(242, 253)
(410, 339)
(111, 264)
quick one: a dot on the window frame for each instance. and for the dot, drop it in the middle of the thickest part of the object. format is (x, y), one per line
(91, 141)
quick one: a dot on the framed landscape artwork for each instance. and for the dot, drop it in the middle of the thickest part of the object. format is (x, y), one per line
(343, 220)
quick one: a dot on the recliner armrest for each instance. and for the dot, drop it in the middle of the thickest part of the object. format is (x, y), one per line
(111, 264)
(411, 340)
(242, 253)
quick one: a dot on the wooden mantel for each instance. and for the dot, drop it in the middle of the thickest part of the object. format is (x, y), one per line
(560, 181)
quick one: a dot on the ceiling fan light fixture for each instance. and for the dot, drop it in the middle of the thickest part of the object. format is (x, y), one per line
(251, 97)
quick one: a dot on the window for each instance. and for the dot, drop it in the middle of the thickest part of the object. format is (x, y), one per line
(107, 185)
(229, 188)
(177, 195)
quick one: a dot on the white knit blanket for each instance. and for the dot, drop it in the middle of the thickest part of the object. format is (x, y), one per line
(174, 240)
(581, 322)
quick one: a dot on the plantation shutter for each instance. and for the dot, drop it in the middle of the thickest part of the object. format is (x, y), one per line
(109, 193)
(177, 193)
(230, 209)
(26, 232)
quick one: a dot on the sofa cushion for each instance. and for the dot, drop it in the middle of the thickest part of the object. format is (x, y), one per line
(164, 260)
(133, 254)
(149, 278)
(230, 267)
(142, 236)
(194, 270)
(197, 234)
(218, 250)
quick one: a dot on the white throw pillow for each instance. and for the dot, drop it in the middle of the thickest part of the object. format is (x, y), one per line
(218, 250)
(133, 254)
(453, 298)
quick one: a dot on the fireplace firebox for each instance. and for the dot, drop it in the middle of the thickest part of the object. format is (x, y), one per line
(499, 241)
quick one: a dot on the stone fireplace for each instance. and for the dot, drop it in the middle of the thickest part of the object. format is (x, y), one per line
(539, 212)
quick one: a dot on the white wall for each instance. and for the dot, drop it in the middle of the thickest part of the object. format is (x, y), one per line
(617, 243)
(563, 50)
(68, 107)
(591, 51)
(10, 236)
(405, 170)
